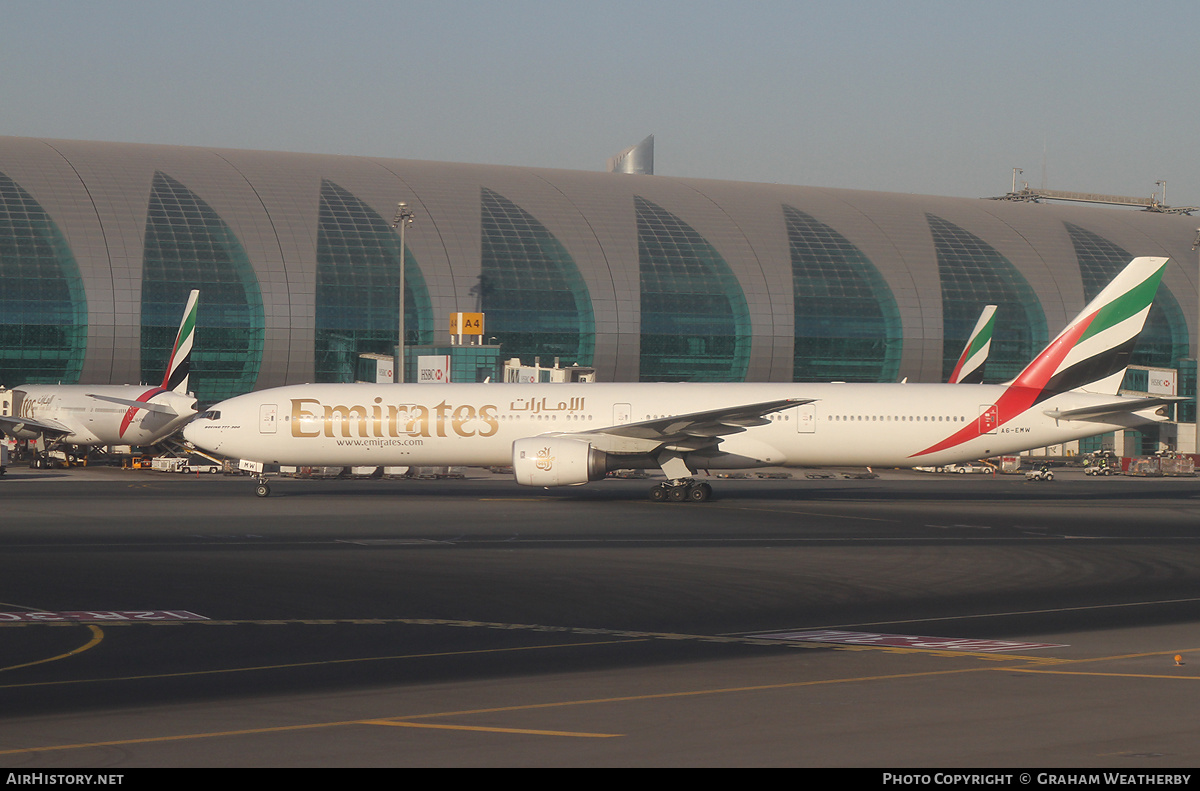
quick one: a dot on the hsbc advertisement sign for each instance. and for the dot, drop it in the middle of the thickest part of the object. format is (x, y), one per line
(433, 369)
(1162, 382)
(1140, 379)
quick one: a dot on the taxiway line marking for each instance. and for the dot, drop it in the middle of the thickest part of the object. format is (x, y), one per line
(1143, 655)
(300, 664)
(965, 617)
(527, 731)
(694, 693)
(793, 512)
(405, 721)
(1068, 672)
(942, 652)
(176, 738)
(527, 707)
(97, 636)
(620, 635)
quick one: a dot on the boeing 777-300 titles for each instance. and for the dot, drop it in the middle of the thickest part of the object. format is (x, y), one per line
(566, 434)
(88, 415)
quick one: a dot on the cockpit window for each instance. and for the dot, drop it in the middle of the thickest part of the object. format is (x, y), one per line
(212, 414)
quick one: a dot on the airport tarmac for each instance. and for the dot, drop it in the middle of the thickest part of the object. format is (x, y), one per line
(150, 619)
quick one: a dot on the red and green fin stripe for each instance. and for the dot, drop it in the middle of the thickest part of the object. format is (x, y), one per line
(1046, 376)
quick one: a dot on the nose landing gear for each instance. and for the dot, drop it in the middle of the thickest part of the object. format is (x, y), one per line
(261, 489)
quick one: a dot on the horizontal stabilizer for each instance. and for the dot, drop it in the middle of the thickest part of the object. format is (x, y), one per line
(1121, 407)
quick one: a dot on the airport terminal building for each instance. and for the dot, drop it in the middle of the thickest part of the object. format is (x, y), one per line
(644, 278)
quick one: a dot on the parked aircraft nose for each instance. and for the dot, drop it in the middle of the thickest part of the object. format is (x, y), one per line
(190, 433)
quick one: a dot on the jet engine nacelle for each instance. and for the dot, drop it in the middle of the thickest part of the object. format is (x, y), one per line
(557, 461)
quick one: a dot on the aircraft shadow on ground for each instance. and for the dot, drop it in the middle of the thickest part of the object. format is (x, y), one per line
(942, 490)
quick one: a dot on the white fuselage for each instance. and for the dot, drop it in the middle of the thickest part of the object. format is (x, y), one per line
(476, 424)
(93, 421)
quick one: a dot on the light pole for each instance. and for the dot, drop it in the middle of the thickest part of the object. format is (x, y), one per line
(403, 219)
(1195, 245)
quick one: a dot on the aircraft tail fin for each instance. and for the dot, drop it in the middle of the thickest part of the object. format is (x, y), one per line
(969, 368)
(180, 364)
(1092, 353)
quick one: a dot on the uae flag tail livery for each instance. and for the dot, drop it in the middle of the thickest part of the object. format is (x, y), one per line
(179, 367)
(1093, 351)
(1089, 356)
(180, 364)
(969, 368)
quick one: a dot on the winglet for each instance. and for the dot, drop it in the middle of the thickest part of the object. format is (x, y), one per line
(969, 368)
(180, 364)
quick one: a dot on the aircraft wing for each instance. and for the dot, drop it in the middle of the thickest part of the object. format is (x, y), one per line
(685, 432)
(1117, 407)
(146, 405)
(50, 428)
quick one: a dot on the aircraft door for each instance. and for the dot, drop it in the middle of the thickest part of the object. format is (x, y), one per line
(989, 418)
(806, 419)
(13, 407)
(268, 415)
(621, 414)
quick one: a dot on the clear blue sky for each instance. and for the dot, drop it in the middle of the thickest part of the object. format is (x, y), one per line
(920, 96)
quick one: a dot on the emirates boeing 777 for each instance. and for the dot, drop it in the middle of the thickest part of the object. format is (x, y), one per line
(86, 415)
(567, 434)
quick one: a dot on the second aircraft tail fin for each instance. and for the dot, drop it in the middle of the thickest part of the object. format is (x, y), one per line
(969, 368)
(180, 364)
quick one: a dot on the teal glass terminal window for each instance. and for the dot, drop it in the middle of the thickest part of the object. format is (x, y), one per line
(43, 309)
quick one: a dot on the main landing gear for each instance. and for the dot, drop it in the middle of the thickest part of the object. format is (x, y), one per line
(681, 491)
